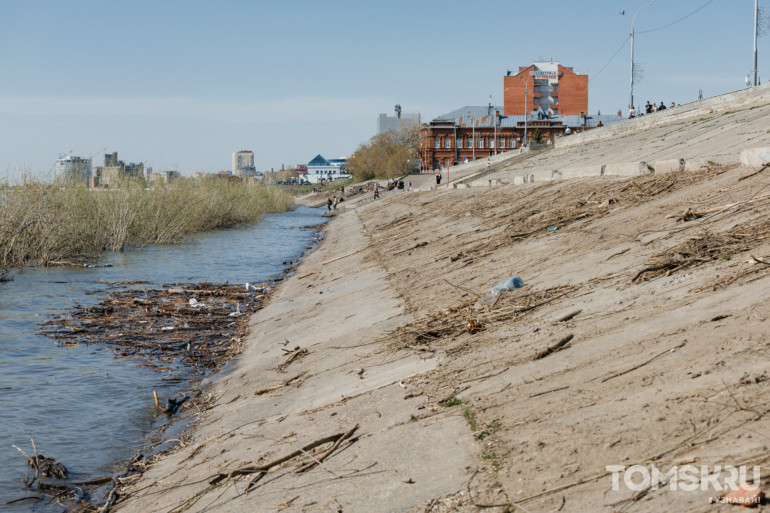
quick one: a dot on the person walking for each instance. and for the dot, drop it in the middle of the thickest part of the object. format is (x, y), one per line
(631, 112)
(335, 202)
(648, 107)
(329, 204)
(376, 191)
(662, 106)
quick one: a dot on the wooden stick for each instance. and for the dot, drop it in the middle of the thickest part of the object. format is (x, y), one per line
(549, 391)
(155, 395)
(558, 346)
(644, 363)
(252, 469)
(753, 174)
(568, 316)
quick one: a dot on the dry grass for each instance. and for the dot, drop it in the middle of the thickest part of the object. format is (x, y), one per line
(63, 222)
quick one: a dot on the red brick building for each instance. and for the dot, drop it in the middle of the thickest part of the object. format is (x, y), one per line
(546, 87)
(556, 98)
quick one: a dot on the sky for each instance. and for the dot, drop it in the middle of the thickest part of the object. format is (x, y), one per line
(181, 85)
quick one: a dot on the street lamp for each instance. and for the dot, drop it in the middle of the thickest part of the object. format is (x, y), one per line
(631, 103)
(526, 108)
(756, 32)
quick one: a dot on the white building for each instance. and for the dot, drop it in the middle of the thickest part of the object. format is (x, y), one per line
(243, 162)
(73, 168)
(387, 123)
(321, 170)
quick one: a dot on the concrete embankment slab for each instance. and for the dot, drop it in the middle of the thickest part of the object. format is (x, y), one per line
(315, 365)
(755, 158)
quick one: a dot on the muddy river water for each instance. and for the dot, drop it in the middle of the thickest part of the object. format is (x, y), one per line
(81, 405)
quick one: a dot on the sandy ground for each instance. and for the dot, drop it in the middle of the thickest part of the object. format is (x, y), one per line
(639, 338)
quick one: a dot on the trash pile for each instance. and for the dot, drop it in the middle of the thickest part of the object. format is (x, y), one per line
(191, 326)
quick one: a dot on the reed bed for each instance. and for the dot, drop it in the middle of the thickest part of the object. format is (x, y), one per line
(46, 223)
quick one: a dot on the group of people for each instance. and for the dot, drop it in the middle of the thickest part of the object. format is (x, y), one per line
(331, 204)
(649, 108)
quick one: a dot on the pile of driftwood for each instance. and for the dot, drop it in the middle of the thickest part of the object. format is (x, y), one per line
(196, 326)
(707, 247)
(51, 484)
(526, 216)
(472, 316)
(181, 328)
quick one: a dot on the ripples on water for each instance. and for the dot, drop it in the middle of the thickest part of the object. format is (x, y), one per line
(82, 406)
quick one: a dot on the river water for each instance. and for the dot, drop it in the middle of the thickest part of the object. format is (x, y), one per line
(82, 406)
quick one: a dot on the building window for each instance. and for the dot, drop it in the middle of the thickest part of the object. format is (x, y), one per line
(447, 143)
(513, 142)
(491, 143)
(459, 142)
(436, 143)
(479, 143)
(470, 142)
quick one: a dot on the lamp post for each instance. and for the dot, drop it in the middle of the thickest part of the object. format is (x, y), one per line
(631, 100)
(756, 31)
(526, 108)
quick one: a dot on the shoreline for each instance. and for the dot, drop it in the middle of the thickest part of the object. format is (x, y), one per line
(306, 373)
(376, 381)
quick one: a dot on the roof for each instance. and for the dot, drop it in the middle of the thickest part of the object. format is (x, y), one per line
(483, 117)
(318, 161)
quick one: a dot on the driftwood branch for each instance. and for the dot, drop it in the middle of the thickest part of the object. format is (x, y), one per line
(671, 350)
(262, 470)
(558, 346)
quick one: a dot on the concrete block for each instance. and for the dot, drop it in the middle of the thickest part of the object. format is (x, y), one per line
(555, 175)
(696, 165)
(581, 172)
(519, 180)
(755, 158)
(627, 169)
(662, 167)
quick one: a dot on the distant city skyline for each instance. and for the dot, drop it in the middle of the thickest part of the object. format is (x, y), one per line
(175, 86)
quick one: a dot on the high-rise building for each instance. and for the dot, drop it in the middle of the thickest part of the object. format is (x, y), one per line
(73, 168)
(387, 123)
(243, 163)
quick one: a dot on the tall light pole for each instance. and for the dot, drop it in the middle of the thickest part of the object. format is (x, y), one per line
(631, 100)
(526, 108)
(756, 31)
(494, 120)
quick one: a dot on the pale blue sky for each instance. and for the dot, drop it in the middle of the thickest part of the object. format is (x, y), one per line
(183, 84)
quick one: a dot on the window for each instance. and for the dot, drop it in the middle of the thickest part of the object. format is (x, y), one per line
(479, 142)
(470, 142)
(436, 143)
(501, 143)
(513, 142)
(459, 142)
(491, 143)
(447, 143)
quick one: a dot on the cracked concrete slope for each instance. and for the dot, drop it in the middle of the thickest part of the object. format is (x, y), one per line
(311, 369)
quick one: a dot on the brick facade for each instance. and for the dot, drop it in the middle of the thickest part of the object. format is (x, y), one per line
(443, 143)
(571, 91)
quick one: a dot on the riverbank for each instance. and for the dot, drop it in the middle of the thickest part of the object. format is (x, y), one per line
(640, 337)
(313, 367)
(54, 391)
(599, 360)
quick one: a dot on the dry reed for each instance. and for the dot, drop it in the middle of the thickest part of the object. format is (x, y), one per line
(43, 223)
